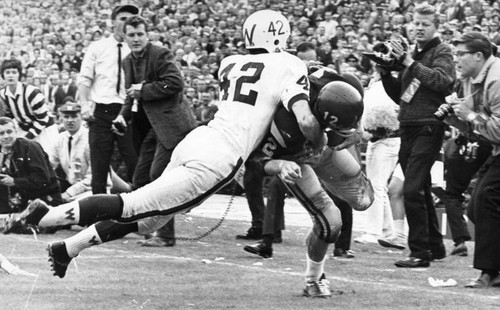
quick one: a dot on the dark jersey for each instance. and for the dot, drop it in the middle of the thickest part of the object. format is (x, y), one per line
(285, 139)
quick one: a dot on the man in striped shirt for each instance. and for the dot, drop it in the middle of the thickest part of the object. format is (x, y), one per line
(26, 104)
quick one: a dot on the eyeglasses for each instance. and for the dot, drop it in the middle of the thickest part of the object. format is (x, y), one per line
(461, 53)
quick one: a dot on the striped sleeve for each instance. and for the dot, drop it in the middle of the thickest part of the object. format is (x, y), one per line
(41, 118)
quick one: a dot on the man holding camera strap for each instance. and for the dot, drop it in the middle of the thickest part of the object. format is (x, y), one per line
(478, 114)
(427, 77)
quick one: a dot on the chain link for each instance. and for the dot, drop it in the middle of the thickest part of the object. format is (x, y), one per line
(217, 225)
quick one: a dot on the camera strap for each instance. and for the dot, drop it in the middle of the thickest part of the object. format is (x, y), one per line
(410, 91)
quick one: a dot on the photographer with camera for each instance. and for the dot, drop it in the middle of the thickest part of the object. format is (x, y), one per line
(26, 173)
(477, 115)
(426, 77)
(464, 154)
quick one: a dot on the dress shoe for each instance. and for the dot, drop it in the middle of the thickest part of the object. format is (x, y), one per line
(253, 233)
(366, 238)
(460, 250)
(438, 253)
(482, 282)
(496, 281)
(393, 242)
(412, 262)
(343, 253)
(260, 249)
(157, 242)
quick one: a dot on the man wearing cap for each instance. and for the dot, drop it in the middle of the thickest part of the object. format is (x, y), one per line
(477, 116)
(70, 155)
(101, 85)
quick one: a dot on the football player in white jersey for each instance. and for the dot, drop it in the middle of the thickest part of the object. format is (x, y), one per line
(337, 102)
(252, 88)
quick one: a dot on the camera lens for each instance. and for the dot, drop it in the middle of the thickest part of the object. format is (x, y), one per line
(443, 111)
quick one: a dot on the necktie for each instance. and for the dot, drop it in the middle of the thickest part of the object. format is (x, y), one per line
(119, 68)
(69, 146)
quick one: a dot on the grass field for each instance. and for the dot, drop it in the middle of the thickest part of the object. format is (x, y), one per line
(215, 273)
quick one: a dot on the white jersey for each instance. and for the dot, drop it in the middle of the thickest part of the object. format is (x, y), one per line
(251, 88)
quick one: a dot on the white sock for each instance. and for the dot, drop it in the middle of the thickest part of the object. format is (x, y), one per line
(314, 270)
(65, 214)
(399, 228)
(82, 240)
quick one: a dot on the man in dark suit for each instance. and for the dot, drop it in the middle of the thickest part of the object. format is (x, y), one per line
(66, 88)
(160, 118)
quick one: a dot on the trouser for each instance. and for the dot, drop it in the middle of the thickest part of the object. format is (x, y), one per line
(484, 211)
(153, 159)
(253, 180)
(420, 146)
(381, 160)
(274, 219)
(101, 141)
(344, 240)
(458, 174)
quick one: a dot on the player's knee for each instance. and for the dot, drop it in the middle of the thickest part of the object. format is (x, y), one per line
(327, 220)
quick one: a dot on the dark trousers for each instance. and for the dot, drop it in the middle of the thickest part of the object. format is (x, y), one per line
(420, 146)
(484, 212)
(253, 180)
(458, 174)
(101, 141)
(344, 240)
(152, 161)
(274, 218)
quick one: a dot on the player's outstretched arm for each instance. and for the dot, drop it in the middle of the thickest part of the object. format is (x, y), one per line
(288, 171)
(308, 124)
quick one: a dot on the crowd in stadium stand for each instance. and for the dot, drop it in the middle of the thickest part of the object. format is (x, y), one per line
(50, 37)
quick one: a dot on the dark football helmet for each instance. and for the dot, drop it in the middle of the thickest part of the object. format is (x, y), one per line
(339, 106)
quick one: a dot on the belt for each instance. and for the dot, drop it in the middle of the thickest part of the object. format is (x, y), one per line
(108, 108)
(383, 133)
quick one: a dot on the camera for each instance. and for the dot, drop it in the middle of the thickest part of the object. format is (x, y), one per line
(443, 111)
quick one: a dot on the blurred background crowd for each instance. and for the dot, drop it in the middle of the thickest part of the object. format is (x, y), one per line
(51, 37)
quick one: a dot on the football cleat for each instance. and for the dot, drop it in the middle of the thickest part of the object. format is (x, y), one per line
(318, 289)
(58, 258)
(31, 216)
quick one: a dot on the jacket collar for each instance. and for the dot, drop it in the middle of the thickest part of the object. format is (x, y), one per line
(484, 71)
(431, 44)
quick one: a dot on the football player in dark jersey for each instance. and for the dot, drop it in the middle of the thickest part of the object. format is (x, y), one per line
(337, 102)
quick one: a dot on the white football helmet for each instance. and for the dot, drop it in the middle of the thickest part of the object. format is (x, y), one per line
(266, 29)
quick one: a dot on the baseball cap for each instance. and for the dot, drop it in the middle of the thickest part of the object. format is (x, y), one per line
(124, 8)
(70, 107)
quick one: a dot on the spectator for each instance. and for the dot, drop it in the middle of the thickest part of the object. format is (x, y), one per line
(26, 104)
(25, 171)
(65, 88)
(476, 116)
(381, 126)
(395, 191)
(102, 94)
(160, 117)
(427, 78)
(70, 156)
